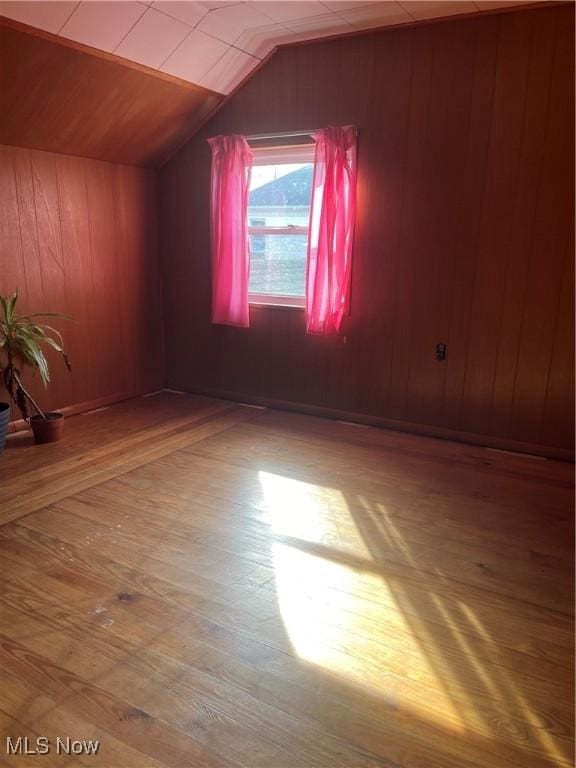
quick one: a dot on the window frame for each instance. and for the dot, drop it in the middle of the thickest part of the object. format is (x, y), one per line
(280, 155)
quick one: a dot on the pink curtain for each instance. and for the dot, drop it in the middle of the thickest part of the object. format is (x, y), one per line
(231, 166)
(332, 213)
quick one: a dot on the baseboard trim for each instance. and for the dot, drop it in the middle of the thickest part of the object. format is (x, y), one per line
(428, 430)
(88, 405)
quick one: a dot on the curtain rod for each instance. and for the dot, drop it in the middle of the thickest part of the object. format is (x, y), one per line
(287, 135)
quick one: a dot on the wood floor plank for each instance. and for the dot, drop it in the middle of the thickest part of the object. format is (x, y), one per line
(546, 637)
(414, 688)
(201, 536)
(39, 714)
(161, 492)
(121, 651)
(48, 484)
(157, 579)
(109, 713)
(13, 729)
(220, 586)
(206, 708)
(94, 429)
(398, 638)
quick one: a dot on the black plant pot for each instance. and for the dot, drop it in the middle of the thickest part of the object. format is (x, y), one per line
(4, 418)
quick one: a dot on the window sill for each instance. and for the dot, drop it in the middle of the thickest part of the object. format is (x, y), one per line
(277, 302)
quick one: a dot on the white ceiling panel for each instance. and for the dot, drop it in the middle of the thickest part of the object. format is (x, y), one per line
(49, 16)
(347, 5)
(376, 15)
(152, 39)
(290, 10)
(184, 10)
(228, 23)
(102, 24)
(320, 26)
(195, 57)
(434, 9)
(229, 71)
(219, 3)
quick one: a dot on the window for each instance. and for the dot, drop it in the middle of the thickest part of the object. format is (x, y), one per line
(278, 216)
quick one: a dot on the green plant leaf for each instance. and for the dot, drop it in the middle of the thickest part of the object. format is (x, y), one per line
(8, 303)
(53, 344)
(22, 339)
(48, 314)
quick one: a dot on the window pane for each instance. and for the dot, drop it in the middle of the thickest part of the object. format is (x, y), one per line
(279, 197)
(280, 194)
(278, 264)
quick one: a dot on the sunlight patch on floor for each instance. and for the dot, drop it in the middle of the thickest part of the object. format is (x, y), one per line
(316, 595)
(311, 513)
(343, 616)
(323, 631)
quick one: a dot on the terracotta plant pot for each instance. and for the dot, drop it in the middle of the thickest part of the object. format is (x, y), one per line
(47, 430)
(4, 417)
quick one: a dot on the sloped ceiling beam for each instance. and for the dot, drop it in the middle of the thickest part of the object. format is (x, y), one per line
(63, 97)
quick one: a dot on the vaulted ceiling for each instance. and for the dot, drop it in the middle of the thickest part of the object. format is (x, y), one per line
(217, 44)
(129, 81)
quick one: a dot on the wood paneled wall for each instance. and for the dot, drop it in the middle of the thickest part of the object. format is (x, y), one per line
(78, 237)
(465, 232)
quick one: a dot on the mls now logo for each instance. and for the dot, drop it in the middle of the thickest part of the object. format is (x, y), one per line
(70, 746)
(42, 746)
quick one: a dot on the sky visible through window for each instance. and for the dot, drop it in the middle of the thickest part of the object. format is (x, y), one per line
(279, 197)
(262, 174)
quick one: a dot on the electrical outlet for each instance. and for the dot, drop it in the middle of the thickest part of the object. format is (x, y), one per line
(441, 352)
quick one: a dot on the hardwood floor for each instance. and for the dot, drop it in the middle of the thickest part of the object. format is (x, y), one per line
(197, 583)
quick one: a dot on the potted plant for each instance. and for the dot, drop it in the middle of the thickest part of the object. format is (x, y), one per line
(21, 340)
